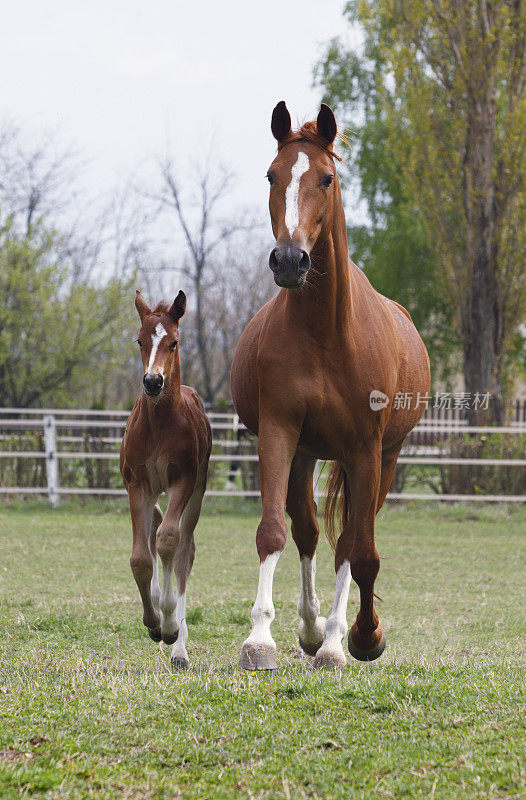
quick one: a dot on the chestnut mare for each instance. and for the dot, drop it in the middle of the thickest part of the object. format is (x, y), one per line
(314, 375)
(166, 447)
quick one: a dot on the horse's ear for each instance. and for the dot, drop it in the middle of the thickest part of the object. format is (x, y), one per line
(141, 306)
(280, 125)
(178, 307)
(326, 124)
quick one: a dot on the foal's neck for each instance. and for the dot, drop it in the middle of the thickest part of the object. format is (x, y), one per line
(325, 302)
(162, 407)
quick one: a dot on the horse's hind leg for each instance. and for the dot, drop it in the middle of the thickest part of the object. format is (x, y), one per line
(141, 561)
(331, 654)
(389, 459)
(302, 511)
(184, 560)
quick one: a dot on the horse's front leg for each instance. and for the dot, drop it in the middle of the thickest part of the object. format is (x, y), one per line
(167, 542)
(356, 556)
(155, 589)
(276, 447)
(142, 559)
(366, 639)
(184, 560)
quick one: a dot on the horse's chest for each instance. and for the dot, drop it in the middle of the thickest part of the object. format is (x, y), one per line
(156, 469)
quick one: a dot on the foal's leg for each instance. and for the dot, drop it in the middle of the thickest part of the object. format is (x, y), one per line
(141, 562)
(183, 564)
(155, 589)
(366, 638)
(302, 511)
(167, 540)
(276, 447)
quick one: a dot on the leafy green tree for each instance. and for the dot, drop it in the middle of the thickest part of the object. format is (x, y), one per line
(62, 341)
(440, 87)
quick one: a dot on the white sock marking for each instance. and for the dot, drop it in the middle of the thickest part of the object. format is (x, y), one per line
(292, 215)
(179, 648)
(168, 602)
(311, 625)
(308, 604)
(263, 611)
(336, 626)
(157, 338)
(155, 589)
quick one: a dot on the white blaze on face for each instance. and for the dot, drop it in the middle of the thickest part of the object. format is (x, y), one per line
(157, 338)
(292, 214)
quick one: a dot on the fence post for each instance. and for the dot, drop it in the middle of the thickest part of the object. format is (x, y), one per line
(50, 441)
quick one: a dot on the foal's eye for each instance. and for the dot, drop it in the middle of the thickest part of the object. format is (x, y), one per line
(326, 182)
(270, 178)
(173, 345)
(139, 342)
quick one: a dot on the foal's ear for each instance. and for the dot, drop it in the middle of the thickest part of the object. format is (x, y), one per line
(280, 125)
(141, 306)
(326, 124)
(178, 307)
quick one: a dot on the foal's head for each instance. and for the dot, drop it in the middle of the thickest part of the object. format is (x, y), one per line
(302, 181)
(158, 340)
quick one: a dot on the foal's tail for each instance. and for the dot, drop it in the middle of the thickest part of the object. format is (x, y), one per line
(337, 501)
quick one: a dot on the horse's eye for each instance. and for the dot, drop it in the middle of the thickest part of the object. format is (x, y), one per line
(270, 178)
(326, 182)
(139, 342)
(173, 345)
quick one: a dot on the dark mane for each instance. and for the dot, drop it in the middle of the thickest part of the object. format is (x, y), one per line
(309, 133)
(162, 307)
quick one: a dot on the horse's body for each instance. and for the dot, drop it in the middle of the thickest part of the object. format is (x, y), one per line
(302, 379)
(166, 448)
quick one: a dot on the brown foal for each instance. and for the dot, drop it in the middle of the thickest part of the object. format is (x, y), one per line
(166, 448)
(315, 375)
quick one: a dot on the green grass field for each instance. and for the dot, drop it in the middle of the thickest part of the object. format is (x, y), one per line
(90, 709)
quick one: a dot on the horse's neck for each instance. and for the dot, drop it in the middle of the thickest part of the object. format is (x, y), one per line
(160, 409)
(326, 300)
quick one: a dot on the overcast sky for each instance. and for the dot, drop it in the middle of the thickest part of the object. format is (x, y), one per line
(119, 78)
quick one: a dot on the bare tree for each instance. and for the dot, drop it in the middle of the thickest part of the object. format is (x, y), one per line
(37, 176)
(209, 266)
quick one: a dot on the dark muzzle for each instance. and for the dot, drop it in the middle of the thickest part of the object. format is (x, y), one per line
(290, 264)
(152, 384)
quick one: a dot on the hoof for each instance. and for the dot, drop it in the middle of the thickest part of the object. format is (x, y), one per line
(179, 664)
(311, 648)
(329, 660)
(155, 634)
(258, 656)
(170, 638)
(361, 654)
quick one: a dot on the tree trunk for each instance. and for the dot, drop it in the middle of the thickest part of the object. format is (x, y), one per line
(482, 321)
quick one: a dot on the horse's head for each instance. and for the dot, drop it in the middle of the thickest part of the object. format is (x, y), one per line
(302, 184)
(158, 340)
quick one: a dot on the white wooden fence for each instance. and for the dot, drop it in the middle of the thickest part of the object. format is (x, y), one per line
(226, 430)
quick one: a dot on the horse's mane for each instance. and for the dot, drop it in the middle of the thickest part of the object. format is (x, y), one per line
(309, 133)
(162, 307)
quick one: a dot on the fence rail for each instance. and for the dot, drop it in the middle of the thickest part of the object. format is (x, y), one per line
(53, 433)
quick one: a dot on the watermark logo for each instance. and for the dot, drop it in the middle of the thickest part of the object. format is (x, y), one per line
(446, 401)
(378, 400)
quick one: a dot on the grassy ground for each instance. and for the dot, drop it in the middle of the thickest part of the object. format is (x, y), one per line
(89, 708)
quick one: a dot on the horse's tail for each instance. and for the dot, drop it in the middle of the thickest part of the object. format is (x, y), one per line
(338, 499)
